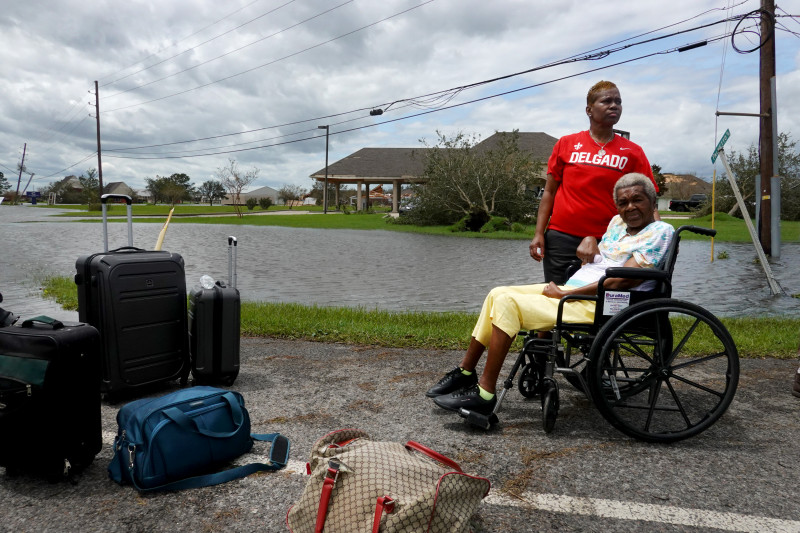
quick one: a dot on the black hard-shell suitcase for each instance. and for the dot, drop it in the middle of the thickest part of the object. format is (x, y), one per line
(214, 321)
(49, 397)
(137, 300)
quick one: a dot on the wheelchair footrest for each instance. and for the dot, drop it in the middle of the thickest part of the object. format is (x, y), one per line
(477, 419)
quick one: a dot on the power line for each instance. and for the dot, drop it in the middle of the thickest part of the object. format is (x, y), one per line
(197, 46)
(402, 103)
(435, 99)
(69, 167)
(70, 115)
(230, 52)
(273, 61)
(74, 108)
(505, 93)
(178, 41)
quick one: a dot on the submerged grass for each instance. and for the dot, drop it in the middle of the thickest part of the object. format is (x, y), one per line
(755, 337)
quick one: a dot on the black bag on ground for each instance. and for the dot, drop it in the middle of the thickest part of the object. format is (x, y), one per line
(137, 301)
(214, 321)
(49, 397)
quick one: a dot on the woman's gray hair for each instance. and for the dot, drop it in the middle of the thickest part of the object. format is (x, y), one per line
(633, 179)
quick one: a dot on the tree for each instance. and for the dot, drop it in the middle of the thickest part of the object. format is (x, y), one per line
(4, 184)
(170, 189)
(235, 180)
(211, 190)
(745, 167)
(461, 181)
(91, 187)
(661, 181)
(289, 193)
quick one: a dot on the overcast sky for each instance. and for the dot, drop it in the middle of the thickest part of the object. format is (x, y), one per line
(264, 74)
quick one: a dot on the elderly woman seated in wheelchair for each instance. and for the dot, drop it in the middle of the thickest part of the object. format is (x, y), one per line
(658, 369)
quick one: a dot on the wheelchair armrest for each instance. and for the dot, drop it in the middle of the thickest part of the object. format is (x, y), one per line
(565, 299)
(634, 273)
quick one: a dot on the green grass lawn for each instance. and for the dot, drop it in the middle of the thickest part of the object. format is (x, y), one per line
(755, 337)
(729, 229)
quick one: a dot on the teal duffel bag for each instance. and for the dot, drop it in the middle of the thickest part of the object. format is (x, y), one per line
(181, 441)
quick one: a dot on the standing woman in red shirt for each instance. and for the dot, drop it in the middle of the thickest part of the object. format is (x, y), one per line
(577, 202)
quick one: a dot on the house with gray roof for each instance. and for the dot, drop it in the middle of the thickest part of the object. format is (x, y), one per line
(119, 187)
(401, 166)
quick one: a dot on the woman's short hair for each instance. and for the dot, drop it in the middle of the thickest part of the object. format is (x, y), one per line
(596, 89)
(633, 179)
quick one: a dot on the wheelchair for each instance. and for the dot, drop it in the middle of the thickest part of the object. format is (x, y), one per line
(657, 368)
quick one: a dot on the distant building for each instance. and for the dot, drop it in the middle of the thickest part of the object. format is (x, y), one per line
(72, 183)
(119, 187)
(263, 192)
(401, 166)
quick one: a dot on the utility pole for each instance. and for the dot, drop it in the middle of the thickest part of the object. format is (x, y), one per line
(19, 178)
(97, 116)
(766, 138)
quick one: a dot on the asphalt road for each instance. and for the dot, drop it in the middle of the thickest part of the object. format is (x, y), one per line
(740, 475)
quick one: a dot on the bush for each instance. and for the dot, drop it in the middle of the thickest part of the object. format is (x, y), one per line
(251, 203)
(516, 227)
(459, 226)
(94, 207)
(265, 203)
(495, 224)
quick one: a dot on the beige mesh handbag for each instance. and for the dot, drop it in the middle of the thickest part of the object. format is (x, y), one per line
(358, 484)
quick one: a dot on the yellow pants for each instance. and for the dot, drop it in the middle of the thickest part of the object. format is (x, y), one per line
(519, 307)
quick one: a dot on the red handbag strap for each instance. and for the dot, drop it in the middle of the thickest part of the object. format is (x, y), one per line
(385, 503)
(325, 497)
(411, 445)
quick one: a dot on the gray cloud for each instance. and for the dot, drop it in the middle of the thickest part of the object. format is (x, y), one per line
(53, 52)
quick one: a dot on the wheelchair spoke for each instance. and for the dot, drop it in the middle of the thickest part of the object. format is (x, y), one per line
(698, 386)
(663, 370)
(679, 348)
(654, 393)
(693, 362)
(678, 403)
(632, 347)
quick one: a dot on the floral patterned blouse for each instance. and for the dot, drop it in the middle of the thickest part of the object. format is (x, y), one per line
(647, 247)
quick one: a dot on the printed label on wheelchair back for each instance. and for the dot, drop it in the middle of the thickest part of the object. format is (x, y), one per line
(615, 301)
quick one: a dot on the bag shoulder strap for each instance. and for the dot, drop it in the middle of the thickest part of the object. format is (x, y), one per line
(278, 457)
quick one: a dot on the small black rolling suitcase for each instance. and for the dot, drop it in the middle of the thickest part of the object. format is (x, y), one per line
(49, 397)
(214, 320)
(137, 300)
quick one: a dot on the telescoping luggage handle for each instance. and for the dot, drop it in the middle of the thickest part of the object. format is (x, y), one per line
(103, 201)
(232, 261)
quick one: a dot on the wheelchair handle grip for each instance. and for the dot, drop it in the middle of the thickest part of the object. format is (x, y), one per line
(708, 232)
(105, 198)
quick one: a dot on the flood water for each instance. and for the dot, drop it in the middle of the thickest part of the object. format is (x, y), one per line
(373, 269)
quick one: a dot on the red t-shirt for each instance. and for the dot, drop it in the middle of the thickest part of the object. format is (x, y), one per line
(584, 201)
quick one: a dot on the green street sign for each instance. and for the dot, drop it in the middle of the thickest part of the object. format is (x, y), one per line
(720, 144)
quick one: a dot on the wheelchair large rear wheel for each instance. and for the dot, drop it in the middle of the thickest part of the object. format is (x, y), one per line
(663, 370)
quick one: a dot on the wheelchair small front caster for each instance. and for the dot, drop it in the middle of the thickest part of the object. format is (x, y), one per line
(549, 404)
(530, 381)
(477, 419)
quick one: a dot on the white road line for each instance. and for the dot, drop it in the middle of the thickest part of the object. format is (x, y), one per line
(647, 512)
(619, 510)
